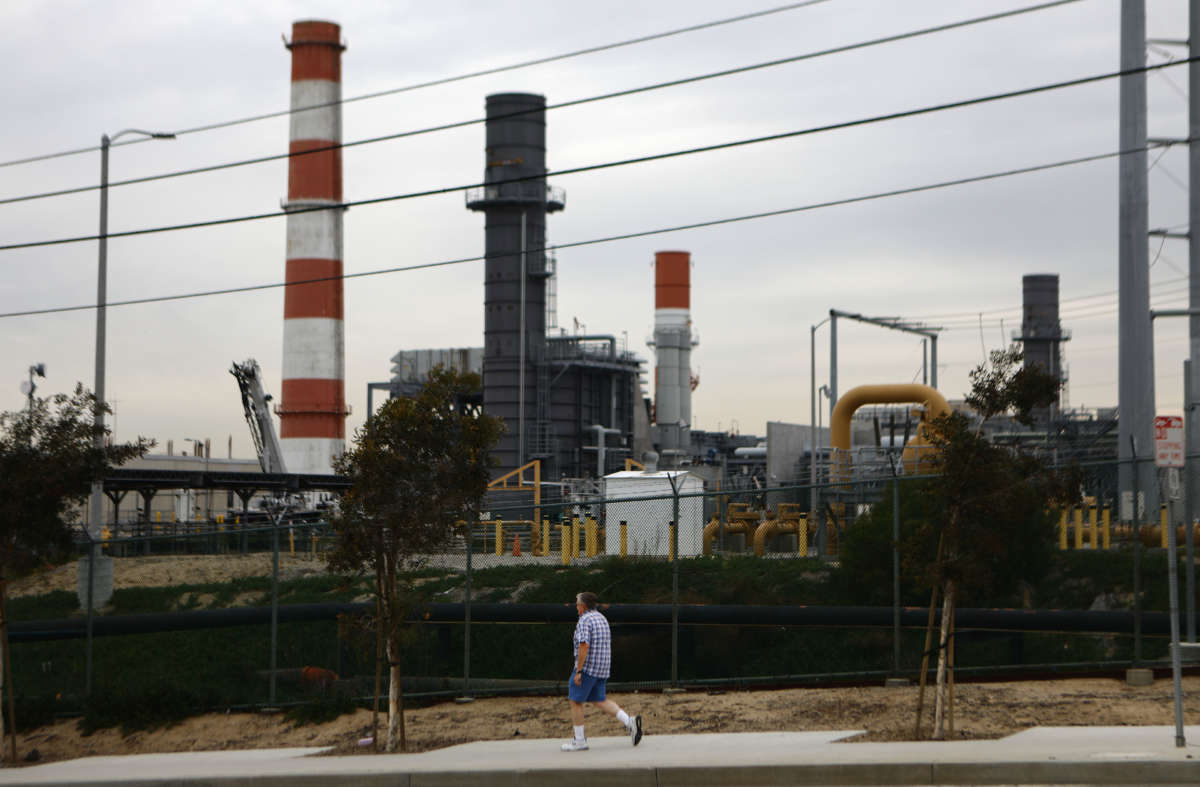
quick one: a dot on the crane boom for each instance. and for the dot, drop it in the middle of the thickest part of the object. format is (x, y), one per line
(258, 416)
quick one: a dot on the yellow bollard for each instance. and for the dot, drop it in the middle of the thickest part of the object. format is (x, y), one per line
(546, 538)
(1106, 532)
(1062, 531)
(1092, 530)
(1079, 528)
(802, 537)
(574, 538)
(237, 520)
(158, 516)
(624, 539)
(671, 541)
(499, 537)
(564, 544)
(590, 539)
(1162, 521)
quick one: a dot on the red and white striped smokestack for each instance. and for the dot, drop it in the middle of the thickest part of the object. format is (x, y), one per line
(673, 352)
(312, 408)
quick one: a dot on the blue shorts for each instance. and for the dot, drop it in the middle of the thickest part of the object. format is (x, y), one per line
(591, 690)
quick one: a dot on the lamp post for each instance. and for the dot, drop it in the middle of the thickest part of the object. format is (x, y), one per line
(814, 429)
(28, 388)
(97, 513)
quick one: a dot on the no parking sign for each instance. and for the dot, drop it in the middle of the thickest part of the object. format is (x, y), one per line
(1168, 440)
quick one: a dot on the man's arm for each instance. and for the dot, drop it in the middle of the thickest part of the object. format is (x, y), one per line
(580, 661)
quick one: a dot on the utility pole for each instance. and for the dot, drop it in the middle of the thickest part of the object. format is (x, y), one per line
(1135, 356)
(1192, 434)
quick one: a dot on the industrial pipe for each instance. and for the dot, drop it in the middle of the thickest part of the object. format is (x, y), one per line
(777, 527)
(935, 405)
(1071, 621)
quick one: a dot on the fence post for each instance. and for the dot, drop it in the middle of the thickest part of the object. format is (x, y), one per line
(1137, 560)
(467, 616)
(275, 520)
(87, 684)
(895, 572)
(674, 582)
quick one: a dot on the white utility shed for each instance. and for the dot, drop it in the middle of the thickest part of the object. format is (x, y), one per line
(648, 520)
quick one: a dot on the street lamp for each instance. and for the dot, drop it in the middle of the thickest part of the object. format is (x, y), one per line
(28, 388)
(97, 516)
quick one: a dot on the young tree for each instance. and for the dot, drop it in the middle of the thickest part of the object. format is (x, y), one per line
(48, 460)
(992, 521)
(418, 467)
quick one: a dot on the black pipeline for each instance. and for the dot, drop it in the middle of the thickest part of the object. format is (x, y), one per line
(1068, 621)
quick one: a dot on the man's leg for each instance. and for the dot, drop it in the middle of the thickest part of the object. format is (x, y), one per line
(631, 723)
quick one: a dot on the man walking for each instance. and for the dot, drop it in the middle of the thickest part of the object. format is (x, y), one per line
(593, 662)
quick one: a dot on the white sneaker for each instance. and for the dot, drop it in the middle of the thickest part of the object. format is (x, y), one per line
(635, 730)
(575, 745)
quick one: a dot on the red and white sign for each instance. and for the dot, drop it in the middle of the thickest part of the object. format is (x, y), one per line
(1168, 440)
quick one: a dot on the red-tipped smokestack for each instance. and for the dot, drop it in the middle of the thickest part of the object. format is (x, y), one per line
(312, 409)
(673, 352)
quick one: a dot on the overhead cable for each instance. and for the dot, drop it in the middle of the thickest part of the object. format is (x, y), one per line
(559, 105)
(619, 163)
(597, 241)
(444, 80)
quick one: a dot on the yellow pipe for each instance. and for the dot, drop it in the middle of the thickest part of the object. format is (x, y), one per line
(564, 545)
(499, 537)
(802, 537)
(624, 538)
(1062, 530)
(1079, 528)
(1092, 531)
(546, 538)
(849, 402)
(1106, 521)
(574, 538)
(714, 525)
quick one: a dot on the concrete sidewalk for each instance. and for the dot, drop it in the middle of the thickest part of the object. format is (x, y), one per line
(1049, 755)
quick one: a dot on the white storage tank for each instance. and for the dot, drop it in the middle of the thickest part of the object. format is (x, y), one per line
(648, 520)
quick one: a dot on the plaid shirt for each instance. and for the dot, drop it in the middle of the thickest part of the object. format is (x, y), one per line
(592, 628)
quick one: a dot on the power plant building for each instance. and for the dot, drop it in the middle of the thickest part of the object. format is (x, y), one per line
(569, 400)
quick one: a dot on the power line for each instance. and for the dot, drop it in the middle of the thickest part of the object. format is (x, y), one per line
(621, 162)
(596, 241)
(560, 105)
(445, 80)
(1017, 309)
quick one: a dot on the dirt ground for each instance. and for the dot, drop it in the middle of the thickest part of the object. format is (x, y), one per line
(982, 710)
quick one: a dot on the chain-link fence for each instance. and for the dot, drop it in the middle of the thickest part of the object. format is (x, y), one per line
(708, 586)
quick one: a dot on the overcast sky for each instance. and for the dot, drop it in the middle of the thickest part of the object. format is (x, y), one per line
(952, 257)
